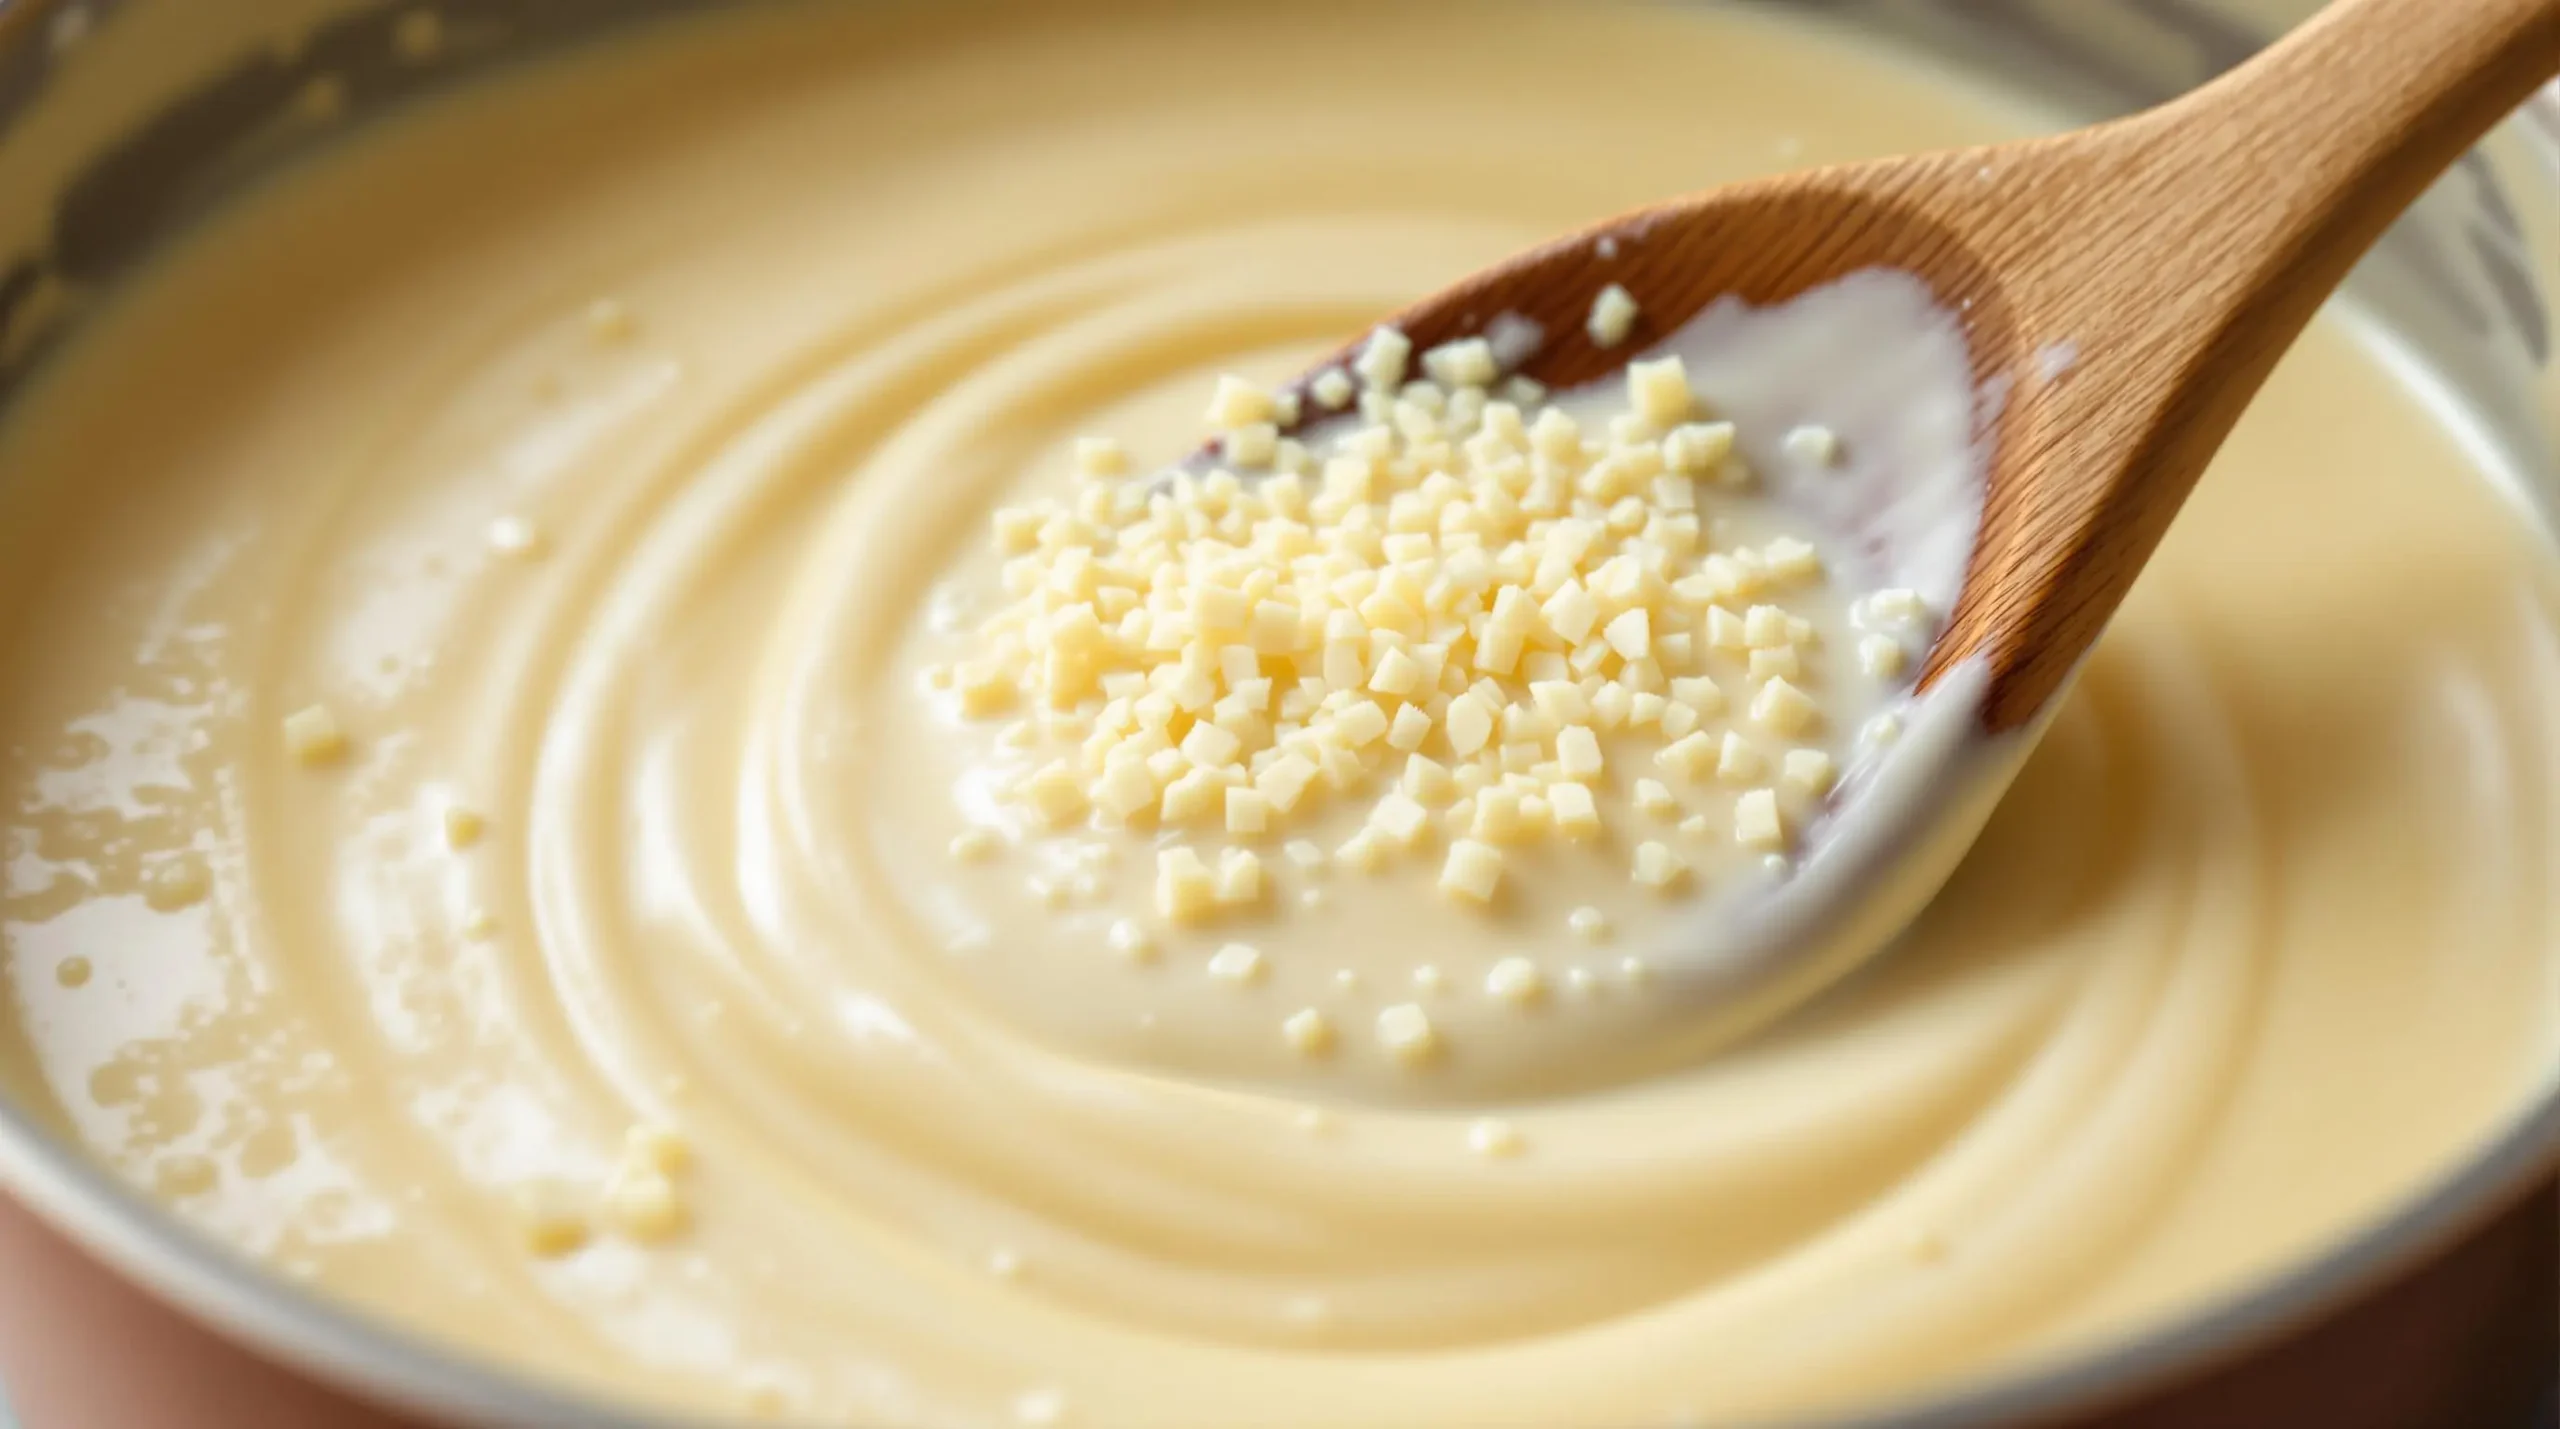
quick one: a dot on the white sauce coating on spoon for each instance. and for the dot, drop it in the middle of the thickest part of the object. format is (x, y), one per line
(1875, 364)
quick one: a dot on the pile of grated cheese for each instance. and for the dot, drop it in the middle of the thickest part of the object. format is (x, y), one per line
(1451, 604)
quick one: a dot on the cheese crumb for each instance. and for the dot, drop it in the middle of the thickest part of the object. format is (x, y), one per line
(552, 1225)
(1631, 634)
(1692, 756)
(1309, 1031)
(1468, 362)
(1697, 448)
(1363, 852)
(1737, 761)
(1575, 812)
(1808, 772)
(1098, 457)
(313, 736)
(1399, 820)
(1657, 866)
(1589, 924)
(1812, 445)
(170, 884)
(1238, 403)
(1056, 795)
(1659, 390)
(1405, 1030)
(643, 1205)
(1888, 610)
(462, 826)
(1254, 446)
(1765, 627)
(1185, 889)
(1757, 822)
(1132, 942)
(1613, 316)
(1473, 871)
(1517, 981)
(1426, 781)
(1239, 877)
(657, 1148)
(1381, 363)
(1248, 811)
(1578, 752)
(1782, 708)
(1238, 963)
(984, 688)
(1494, 1137)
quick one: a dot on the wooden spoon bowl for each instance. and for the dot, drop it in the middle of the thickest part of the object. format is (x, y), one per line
(2174, 255)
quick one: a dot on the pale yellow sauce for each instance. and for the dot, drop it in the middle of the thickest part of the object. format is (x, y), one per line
(2258, 945)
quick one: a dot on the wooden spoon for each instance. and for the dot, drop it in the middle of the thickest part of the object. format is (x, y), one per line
(2177, 252)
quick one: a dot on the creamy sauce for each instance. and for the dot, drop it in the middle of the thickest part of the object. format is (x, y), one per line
(2257, 945)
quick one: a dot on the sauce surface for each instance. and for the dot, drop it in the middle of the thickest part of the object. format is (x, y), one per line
(545, 438)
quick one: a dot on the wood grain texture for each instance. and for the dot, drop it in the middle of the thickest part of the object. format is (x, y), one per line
(2177, 252)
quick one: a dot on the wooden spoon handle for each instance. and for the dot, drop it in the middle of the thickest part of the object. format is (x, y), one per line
(2201, 237)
